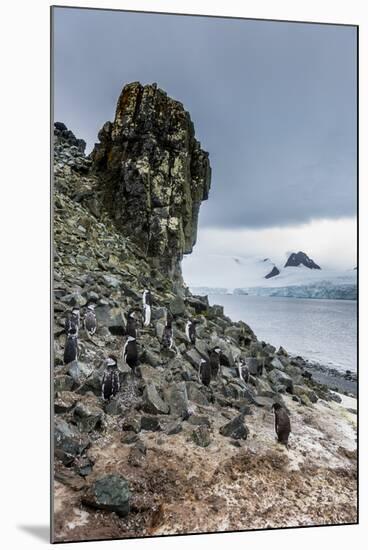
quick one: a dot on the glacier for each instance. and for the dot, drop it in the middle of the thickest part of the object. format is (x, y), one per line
(217, 274)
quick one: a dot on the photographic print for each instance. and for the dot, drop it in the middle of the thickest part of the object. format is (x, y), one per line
(204, 244)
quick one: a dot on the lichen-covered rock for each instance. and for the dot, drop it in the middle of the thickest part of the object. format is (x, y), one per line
(153, 173)
(152, 402)
(303, 390)
(235, 428)
(201, 436)
(280, 378)
(79, 371)
(193, 357)
(88, 415)
(150, 423)
(64, 401)
(69, 441)
(196, 393)
(197, 420)
(109, 493)
(63, 382)
(177, 398)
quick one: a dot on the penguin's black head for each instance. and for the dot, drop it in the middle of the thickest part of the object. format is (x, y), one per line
(276, 406)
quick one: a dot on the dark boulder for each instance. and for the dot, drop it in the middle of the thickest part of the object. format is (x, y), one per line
(176, 397)
(201, 436)
(109, 493)
(152, 402)
(69, 441)
(279, 378)
(235, 428)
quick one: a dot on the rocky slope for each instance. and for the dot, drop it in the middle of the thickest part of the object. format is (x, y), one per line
(167, 449)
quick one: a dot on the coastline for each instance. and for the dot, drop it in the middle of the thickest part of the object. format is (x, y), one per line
(336, 378)
(337, 381)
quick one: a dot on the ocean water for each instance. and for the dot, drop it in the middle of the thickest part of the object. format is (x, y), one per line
(324, 331)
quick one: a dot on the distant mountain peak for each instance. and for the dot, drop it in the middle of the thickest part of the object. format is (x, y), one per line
(273, 273)
(301, 258)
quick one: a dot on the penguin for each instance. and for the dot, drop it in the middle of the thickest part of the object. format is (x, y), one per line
(131, 326)
(72, 322)
(205, 372)
(215, 361)
(167, 340)
(190, 331)
(243, 371)
(130, 352)
(71, 346)
(90, 322)
(110, 379)
(282, 424)
(147, 303)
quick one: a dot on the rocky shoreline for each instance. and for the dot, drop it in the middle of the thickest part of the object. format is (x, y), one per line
(167, 449)
(337, 381)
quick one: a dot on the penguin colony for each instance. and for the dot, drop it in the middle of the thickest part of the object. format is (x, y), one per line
(208, 368)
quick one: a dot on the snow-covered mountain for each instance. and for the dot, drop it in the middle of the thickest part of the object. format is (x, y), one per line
(249, 275)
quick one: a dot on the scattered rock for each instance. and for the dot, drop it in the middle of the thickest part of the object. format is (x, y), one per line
(201, 436)
(69, 441)
(63, 383)
(137, 455)
(280, 378)
(132, 423)
(196, 393)
(176, 397)
(129, 437)
(88, 415)
(109, 493)
(197, 420)
(150, 423)
(235, 428)
(173, 428)
(152, 402)
(64, 402)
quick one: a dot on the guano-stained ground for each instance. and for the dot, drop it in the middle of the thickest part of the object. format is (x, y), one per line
(182, 488)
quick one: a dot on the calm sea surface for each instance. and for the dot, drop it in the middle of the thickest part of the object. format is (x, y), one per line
(320, 330)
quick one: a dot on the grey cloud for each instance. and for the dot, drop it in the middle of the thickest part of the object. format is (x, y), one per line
(273, 103)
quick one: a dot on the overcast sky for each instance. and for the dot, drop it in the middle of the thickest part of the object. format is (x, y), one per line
(273, 103)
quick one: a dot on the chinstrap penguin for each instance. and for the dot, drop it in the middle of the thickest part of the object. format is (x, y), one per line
(72, 322)
(190, 331)
(214, 355)
(147, 303)
(71, 346)
(110, 379)
(130, 352)
(243, 371)
(131, 326)
(282, 424)
(167, 340)
(90, 321)
(205, 372)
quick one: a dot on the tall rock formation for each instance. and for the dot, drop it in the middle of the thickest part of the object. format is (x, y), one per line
(153, 174)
